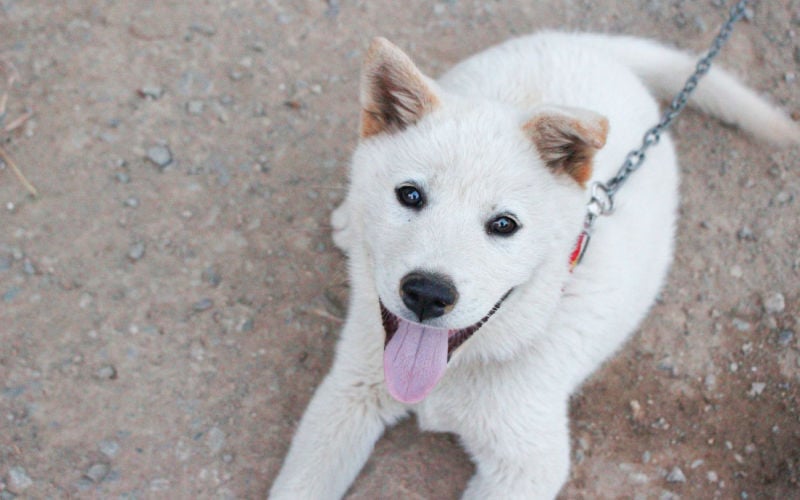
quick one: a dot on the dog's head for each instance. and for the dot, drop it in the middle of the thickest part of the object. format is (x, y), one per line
(460, 203)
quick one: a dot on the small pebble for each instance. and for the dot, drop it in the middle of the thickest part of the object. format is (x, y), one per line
(11, 293)
(10, 206)
(700, 24)
(195, 107)
(736, 271)
(245, 326)
(160, 155)
(712, 476)
(636, 410)
(132, 202)
(106, 372)
(783, 197)
(18, 480)
(741, 325)
(775, 303)
(151, 92)
(28, 267)
(203, 29)
(203, 305)
(97, 472)
(756, 388)
(211, 276)
(697, 463)
(159, 484)
(785, 338)
(790, 77)
(676, 476)
(215, 440)
(136, 251)
(108, 447)
(123, 177)
(746, 234)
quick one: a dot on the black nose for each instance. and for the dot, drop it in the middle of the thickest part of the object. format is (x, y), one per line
(428, 295)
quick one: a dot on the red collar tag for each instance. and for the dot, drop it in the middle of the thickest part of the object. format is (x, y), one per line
(580, 249)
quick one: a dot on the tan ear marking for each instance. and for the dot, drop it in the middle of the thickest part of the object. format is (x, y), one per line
(394, 93)
(567, 139)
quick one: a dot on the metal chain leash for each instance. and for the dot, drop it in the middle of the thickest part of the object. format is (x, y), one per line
(602, 201)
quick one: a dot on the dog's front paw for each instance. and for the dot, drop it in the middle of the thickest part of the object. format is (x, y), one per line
(340, 223)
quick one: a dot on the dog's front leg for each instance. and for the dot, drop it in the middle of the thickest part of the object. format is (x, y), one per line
(525, 459)
(346, 416)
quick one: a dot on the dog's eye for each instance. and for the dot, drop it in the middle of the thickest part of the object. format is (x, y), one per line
(502, 225)
(410, 196)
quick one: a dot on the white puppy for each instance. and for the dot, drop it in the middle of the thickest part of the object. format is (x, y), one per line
(467, 196)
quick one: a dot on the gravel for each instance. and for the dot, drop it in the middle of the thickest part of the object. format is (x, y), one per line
(28, 267)
(18, 480)
(97, 472)
(676, 475)
(785, 338)
(136, 251)
(161, 156)
(215, 440)
(195, 107)
(203, 305)
(756, 388)
(106, 372)
(203, 29)
(746, 234)
(775, 303)
(108, 447)
(211, 276)
(153, 92)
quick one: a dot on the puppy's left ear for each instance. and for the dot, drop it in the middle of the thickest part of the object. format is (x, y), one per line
(394, 93)
(567, 139)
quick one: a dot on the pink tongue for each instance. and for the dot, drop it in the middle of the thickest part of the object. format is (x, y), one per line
(414, 360)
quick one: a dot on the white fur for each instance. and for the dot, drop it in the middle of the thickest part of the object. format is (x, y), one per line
(506, 389)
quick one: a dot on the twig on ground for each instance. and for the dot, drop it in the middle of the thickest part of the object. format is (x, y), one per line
(7, 67)
(11, 76)
(13, 166)
(324, 314)
(19, 121)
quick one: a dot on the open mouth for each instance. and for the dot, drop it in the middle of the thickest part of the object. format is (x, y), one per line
(415, 355)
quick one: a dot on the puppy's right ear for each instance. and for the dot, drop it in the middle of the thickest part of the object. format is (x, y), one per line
(394, 93)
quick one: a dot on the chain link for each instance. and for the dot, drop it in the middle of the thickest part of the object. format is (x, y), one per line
(602, 202)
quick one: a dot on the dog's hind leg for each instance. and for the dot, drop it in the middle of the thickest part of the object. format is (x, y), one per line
(335, 437)
(342, 228)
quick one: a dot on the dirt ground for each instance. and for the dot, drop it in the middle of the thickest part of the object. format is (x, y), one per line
(170, 300)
